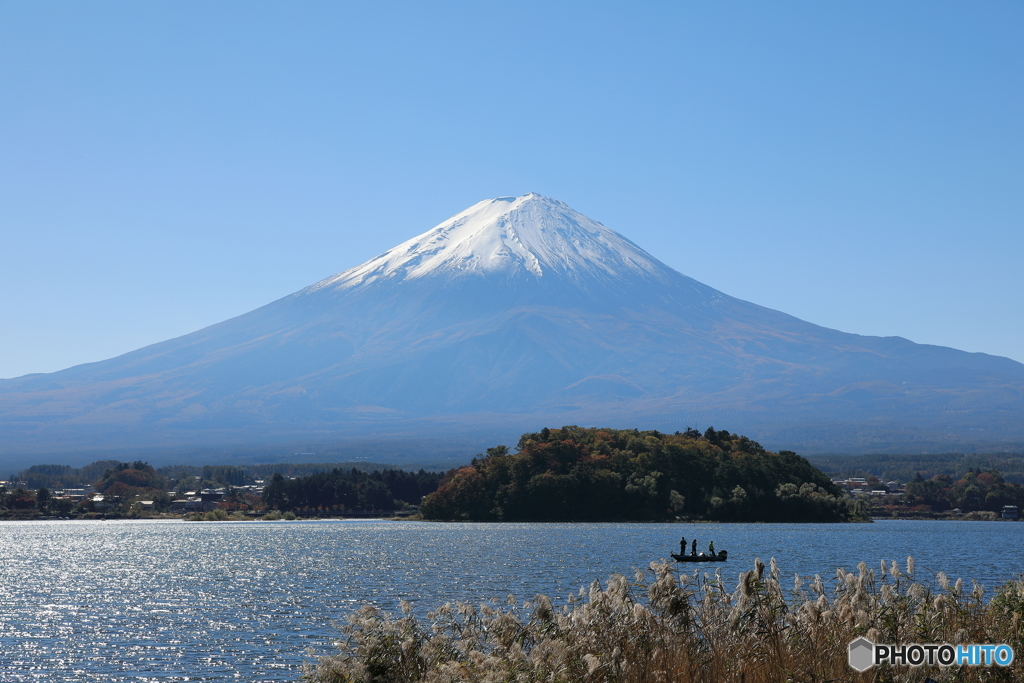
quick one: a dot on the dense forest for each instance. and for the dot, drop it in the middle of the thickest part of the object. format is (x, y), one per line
(63, 476)
(581, 474)
(341, 490)
(976, 490)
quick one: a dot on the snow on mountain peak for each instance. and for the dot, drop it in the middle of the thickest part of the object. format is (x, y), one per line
(529, 235)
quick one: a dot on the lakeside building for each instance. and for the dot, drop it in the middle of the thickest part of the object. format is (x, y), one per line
(1010, 512)
(203, 501)
(100, 503)
(74, 494)
(860, 485)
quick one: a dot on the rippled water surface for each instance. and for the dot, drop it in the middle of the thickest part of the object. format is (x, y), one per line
(172, 601)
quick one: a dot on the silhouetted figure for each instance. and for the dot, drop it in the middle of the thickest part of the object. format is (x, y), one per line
(693, 550)
(711, 547)
(682, 546)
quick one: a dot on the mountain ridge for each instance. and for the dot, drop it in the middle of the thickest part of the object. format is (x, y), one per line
(455, 329)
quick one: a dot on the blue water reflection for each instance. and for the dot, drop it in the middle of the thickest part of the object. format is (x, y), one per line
(169, 601)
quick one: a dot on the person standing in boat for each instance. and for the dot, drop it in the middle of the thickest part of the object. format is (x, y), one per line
(711, 548)
(693, 550)
(682, 546)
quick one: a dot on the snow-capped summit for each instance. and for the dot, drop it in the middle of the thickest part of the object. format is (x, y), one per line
(509, 236)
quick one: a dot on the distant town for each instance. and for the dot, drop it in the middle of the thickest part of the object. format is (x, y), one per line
(983, 494)
(137, 490)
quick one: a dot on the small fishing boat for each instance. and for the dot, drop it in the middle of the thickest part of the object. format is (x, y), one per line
(722, 556)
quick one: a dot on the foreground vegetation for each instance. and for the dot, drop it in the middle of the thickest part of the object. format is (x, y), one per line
(577, 474)
(689, 627)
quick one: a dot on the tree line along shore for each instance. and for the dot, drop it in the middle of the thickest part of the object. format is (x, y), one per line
(566, 474)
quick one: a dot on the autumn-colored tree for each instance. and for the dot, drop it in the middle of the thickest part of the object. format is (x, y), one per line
(138, 475)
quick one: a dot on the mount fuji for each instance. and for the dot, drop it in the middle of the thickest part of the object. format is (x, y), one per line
(518, 313)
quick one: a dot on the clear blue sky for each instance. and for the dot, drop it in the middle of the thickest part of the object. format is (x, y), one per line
(167, 165)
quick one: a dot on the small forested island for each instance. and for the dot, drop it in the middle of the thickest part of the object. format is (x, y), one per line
(590, 474)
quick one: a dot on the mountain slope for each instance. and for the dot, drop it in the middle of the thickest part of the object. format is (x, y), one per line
(517, 313)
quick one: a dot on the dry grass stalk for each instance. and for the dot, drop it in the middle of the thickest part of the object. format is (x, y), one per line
(666, 627)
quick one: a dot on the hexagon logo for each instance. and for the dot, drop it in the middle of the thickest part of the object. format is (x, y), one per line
(862, 654)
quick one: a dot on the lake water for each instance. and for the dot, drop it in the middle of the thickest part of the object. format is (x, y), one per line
(175, 601)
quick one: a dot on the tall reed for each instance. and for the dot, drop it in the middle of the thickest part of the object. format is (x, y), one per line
(668, 627)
